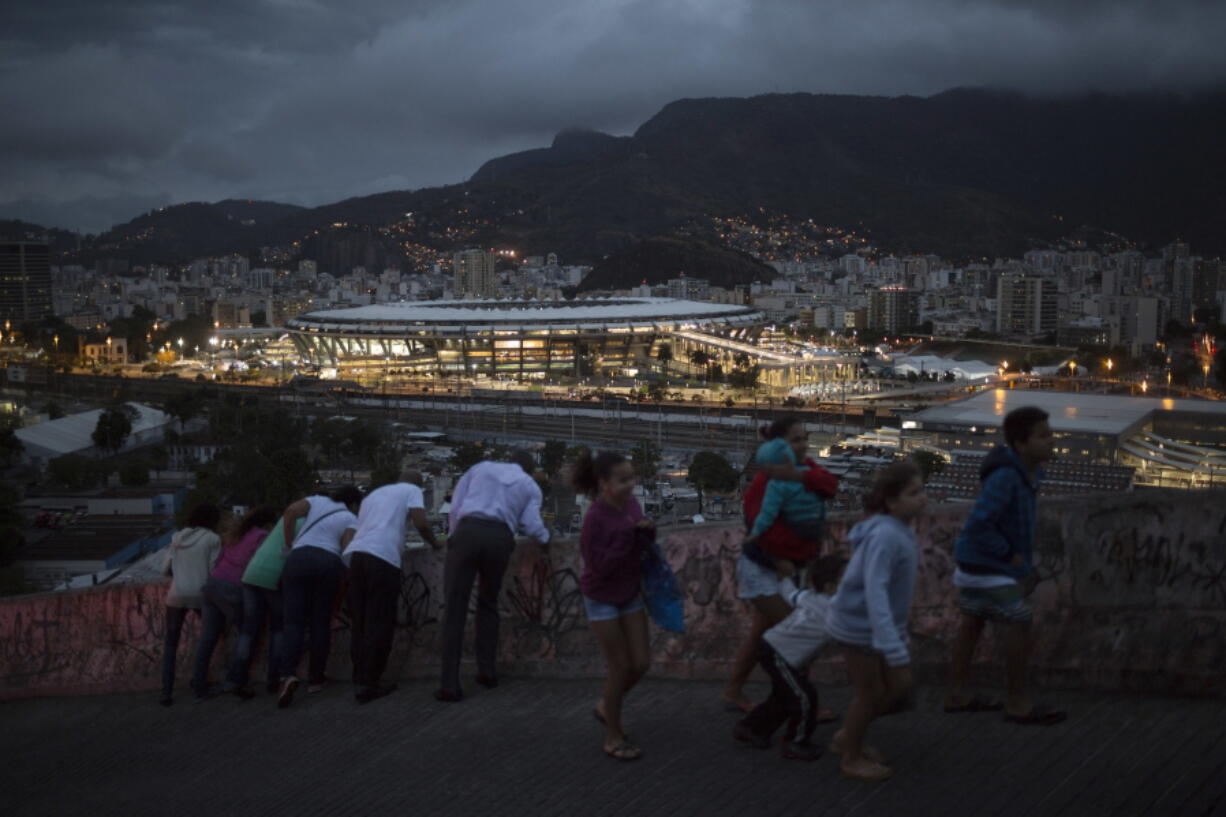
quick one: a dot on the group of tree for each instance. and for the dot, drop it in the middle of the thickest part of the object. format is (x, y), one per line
(711, 472)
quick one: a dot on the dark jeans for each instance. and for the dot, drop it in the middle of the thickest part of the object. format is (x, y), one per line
(223, 614)
(793, 699)
(480, 548)
(309, 583)
(374, 590)
(175, 616)
(259, 603)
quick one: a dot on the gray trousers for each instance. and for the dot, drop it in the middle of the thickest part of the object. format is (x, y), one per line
(480, 548)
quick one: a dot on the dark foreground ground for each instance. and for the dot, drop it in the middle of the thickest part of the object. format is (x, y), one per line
(532, 748)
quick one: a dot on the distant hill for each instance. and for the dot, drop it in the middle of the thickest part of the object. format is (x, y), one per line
(966, 173)
(656, 260)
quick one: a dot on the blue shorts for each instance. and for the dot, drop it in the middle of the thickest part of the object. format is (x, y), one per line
(1004, 604)
(753, 580)
(599, 611)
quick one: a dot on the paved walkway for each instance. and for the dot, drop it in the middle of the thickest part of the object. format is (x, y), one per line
(532, 748)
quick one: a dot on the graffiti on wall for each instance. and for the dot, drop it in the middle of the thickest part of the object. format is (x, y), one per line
(1125, 590)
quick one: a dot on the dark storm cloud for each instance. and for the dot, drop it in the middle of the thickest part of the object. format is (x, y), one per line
(310, 101)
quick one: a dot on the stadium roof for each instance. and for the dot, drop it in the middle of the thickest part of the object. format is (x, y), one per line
(530, 312)
(1103, 414)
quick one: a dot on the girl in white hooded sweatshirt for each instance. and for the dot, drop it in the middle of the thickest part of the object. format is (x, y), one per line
(190, 556)
(868, 615)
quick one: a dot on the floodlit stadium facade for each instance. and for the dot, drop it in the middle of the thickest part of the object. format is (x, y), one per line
(520, 339)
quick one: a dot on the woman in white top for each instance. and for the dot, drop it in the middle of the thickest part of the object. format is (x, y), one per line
(311, 580)
(190, 556)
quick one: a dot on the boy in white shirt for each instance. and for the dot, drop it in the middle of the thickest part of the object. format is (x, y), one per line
(785, 651)
(373, 556)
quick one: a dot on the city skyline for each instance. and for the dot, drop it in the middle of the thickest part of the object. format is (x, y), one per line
(121, 111)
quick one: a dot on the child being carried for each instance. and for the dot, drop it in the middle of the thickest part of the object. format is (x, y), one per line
(803, 511)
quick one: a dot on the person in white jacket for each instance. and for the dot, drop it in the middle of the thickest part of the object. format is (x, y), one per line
(785, 651)
(190, 556)
(868, 615)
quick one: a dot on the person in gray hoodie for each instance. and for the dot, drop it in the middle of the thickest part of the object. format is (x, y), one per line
(190, 556)
(868, 615)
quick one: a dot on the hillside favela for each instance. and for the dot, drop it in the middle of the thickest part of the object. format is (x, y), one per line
(792, 419)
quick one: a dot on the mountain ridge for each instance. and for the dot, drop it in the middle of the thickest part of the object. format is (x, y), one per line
(965, 173)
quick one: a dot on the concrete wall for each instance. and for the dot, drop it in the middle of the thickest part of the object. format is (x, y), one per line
(1131, 594)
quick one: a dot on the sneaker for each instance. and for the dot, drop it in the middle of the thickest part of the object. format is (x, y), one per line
(799, 750)
(288, 687)
(367, 694)
(744, 734)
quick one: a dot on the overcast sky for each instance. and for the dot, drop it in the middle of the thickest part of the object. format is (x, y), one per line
(112, 107)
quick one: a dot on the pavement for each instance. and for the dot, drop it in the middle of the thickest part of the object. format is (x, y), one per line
(532, 747)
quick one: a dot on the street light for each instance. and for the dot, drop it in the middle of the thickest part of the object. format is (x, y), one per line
(1110, 365)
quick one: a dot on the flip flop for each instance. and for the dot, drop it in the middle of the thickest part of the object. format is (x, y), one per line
(624, 752)
(976, 703)
(1037, 716)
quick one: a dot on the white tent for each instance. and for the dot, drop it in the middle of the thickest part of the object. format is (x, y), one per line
(74, 434)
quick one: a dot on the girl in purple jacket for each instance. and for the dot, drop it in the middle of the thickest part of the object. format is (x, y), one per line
(615, 532)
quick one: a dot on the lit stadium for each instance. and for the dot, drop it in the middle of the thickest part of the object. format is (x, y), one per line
(516, 338)
(538, 339)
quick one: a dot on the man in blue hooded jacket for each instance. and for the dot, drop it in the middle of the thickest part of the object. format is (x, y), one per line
(994, 551)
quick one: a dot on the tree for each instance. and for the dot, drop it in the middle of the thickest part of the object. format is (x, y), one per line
(183, 406)
(701, 359)
(553, 457)
(949, 376)
(929, 462)
(385, 462)
(665, 356)
(710, 472)
(11, 447)
(114, 426)
(466, 455)
(646, 460)
(264, 461)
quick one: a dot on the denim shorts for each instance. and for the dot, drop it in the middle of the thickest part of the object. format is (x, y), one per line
(599, 611)
(753, 580)
(1003, 604)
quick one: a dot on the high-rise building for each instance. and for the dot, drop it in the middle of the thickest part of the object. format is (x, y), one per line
(474, 274)
(1141, 319)
(25, 281)
(1026, 304)
(688, 289)
(893, 309)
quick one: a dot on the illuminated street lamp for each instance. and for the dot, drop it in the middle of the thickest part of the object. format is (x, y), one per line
(1110, 365)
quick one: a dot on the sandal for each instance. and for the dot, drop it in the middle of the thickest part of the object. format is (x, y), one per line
(1037, 716)
(870, 772)
(976, 703)
(624, 751)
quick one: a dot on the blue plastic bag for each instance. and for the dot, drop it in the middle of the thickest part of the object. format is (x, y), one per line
(661, 592)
